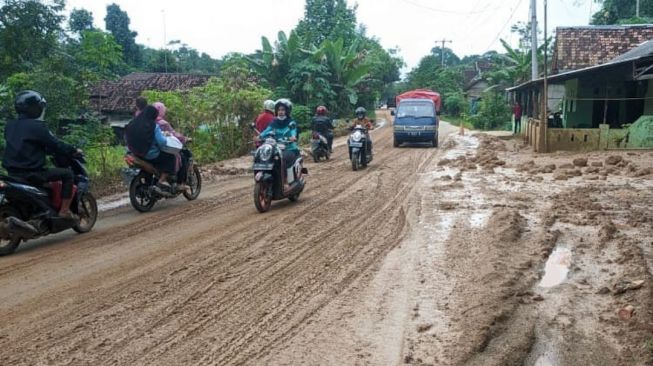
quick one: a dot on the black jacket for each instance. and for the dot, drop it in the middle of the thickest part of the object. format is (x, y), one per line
(322, 124)
(27, 143)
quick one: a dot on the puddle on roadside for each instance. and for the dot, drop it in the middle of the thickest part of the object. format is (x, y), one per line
(107, 206)
(478, 219)
(556, 268)
(544, 361)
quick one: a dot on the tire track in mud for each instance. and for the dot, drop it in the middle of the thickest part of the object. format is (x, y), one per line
(178, 305)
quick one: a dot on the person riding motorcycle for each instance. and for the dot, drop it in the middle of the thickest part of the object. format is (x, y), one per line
(361, 119)
(323, 125)
(145, 140)
(28, 140)
(283, 126)
(183, 158)
(266, 117)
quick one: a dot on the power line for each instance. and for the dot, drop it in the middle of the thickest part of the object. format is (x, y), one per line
(504, 26)
(441, 10)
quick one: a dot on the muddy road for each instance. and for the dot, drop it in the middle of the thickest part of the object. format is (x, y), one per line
(428, 256)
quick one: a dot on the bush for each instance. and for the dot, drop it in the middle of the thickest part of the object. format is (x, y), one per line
(303, 116)
(494, 112)
(455, 104)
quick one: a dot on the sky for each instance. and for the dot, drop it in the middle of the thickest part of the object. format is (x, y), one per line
(414, 26)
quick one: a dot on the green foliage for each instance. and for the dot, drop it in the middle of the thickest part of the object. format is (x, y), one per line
(494, 112)
(618, 11)
(117, 23)
(303, 116)
(456, 104)
(80, 20)
(99, 56)
(327, 20)
(29, 33)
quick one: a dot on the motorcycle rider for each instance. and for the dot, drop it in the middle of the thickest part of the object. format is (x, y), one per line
(183, 158)
(264, 119)
(361, 119)
(283, 126)
(28, 140)
(323, 125)
(145, 140)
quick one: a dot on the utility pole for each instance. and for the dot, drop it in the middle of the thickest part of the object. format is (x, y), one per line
(534, 66)
(544, 124)
(165, 44)
(637, 9)
(442, 49)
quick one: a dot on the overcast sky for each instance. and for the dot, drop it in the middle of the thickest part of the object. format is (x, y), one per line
(219, 27)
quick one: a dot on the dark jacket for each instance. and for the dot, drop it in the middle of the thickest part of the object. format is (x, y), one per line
(322, 124)
(27, 143)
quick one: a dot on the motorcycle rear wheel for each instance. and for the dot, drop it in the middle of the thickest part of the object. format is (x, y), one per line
(8, 246)
(140, 199)
(261, 199)
(194, 181)
(87, 213)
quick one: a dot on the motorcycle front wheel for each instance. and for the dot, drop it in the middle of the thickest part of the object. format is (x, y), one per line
(261, 199)
(194, 181)
(139, 195)
(8, 246)
(355, 161)
(87, 212)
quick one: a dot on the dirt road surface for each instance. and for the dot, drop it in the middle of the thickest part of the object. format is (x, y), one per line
(477, 253)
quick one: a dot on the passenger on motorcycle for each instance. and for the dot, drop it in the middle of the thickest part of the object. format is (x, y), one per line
(284, 127)
(28, 141)
(145, 140)
(266, 117)
(361, 119)
(184, 155)
(323, 125)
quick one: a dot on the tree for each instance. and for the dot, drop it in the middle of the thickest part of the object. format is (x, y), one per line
(80, 20)
(327, 20)
(621, 11)
(99, 55)
(117, 22)
(450, 58)
(29, 33)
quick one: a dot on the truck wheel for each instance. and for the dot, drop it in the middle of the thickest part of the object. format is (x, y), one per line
(435, 141)
(395, 143)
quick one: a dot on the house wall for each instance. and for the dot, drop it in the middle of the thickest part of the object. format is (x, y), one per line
(648, 103)
(574, 139)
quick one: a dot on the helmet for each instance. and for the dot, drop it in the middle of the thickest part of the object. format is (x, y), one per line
(360, 110)
(30, 104)
(321, 110)
(283, 102)
(268, 105)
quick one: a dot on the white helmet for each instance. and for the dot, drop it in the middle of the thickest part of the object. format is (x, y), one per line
(268, 105)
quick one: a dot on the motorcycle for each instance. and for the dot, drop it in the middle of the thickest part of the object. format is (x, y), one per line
(29, 211)
(319, 147)
(273, 180)
(142, 178)
(358, 148)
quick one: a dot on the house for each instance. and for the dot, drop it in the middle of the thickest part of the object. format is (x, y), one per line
(475, 83)
(115, 99)
(599, 94)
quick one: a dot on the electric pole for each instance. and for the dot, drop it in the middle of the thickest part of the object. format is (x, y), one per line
(165, 44)
(534, 66)
(442, 49)
(637, 9)
(544, 124)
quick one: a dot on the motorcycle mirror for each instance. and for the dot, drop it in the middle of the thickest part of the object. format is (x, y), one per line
(392, 113)
(252, 126)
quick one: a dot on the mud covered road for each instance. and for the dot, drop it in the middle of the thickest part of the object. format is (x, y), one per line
(428, 256)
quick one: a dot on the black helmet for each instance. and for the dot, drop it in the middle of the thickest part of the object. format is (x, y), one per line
(283, 102)
(29, 104)
(361, 110)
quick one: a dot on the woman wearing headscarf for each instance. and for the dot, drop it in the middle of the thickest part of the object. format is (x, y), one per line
(184, 156)
(145, 140)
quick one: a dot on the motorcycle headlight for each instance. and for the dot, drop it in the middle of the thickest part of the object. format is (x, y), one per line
(265, 152)
(357, 136)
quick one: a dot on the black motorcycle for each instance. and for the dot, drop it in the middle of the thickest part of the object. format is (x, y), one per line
(28, 209)
(319, 147)
(360, 152)
(273, 180)
(143, 178)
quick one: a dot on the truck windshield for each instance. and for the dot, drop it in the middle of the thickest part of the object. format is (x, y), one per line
(416, 110)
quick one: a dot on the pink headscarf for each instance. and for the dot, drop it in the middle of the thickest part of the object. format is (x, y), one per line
(162, 110)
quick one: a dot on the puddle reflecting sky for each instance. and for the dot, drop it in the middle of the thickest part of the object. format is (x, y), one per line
(556, 268)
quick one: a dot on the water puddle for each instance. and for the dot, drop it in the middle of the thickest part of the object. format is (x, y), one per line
(110, 205)
(544, 361)
(556, 268)
(478, 219)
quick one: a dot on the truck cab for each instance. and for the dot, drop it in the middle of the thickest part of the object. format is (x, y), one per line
(416, 120)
